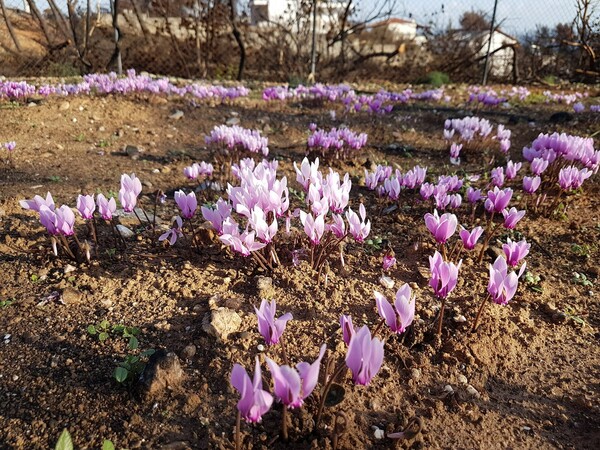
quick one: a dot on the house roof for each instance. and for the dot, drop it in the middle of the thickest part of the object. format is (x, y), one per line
(475, 34)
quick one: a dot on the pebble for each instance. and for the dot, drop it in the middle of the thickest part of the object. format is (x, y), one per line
(415, 374)
(132, 151)
(221, 322)
(448, 389)
(125, 232)
(260, 348)
(386, 282)
(188, 352)
(166, 170)
(264, 285)
(462, 379)
(69, 268)
(460, 318)
(233, 121)
(155, 170)
(379, 433)
(176, 115)
(473, 392)
(64, 106)
(15, 377)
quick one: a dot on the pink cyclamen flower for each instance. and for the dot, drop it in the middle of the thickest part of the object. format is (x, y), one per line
(498, 199)
(172, 234)
(313, 227)
(498, 176)
(512, 217)
(442, 228)
(106, 207)
(388, 261)
(539, 165)
(358, 227)
(469, 239)
(364, 357)
(192, 172)
(512, 169)
(217, 216)
(531, 184)
(270, 328)
(65, 220)
(187, 203)
(37, 201)
(131, 187)
(502, 286)
(515, 251)
(444, 275)
(455, 150)
(10, 146)
(400, 316)
(347, 328)
(86, 206)
(292, 386)
(254, 401)
(473, 195)
(48, 220)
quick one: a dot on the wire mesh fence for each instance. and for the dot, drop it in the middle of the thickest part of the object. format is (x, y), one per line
(283, 40)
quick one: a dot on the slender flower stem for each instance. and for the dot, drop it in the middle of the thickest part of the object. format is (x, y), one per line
(326, 389)
(487, 237)
(376, 330)
(238, 433)
(284, 351)
(138, 217)
(65, 245)
(481, 308)
(284, 425)
(443, 248)
(441, 320)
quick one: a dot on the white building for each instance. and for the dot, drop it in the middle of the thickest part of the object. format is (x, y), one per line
(285, 12)
(502, 50)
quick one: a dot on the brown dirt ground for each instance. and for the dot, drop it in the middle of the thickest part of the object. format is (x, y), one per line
(537, 377)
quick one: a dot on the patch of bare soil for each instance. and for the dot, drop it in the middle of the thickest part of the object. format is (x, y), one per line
(528, 378)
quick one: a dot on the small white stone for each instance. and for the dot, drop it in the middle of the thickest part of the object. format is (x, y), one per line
(528, 429)
(448, 389)
(379, 433)
(155, 170)
(386, 282)
(460, 318)
(15, 377)
(260, 348)
(473, 392)
(69, 268)
(125, 232)
(462, 379)
(7, 337)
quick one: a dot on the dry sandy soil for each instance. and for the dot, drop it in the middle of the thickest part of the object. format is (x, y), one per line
(532, 366)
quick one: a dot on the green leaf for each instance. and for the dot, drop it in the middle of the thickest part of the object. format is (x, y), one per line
(148, 352)
(133, 343)
(91, 329)
(121, 374)
(105, 324)
(103, 336)
(107, 445)
(64, 441)
(118, 328)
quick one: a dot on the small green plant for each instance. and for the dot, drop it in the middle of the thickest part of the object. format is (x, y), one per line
(80, 137)
(110, 252)
(104, 329)
(300, 195)
(5, 303)
(102, 143)
(533, 282)
(436, 79)
(64, 441)
(374, 243)
(131, 367)
(34, 278)
(572, 314)
(54, 178)
(108, 445)
(581, 250)
(580, 278)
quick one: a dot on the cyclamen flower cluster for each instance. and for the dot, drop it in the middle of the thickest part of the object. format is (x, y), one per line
(444, 194)
(488, 97)
(339, 142)
(390, 183)
(198, 170)
(567, 99)
(236, 138)
(112, 84)
(547, 149)
(472, 131)
(10, 146)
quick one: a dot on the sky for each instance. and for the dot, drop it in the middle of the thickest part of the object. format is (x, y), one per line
(516, 16)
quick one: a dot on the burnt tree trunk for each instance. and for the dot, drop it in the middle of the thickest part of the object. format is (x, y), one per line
(238, 38)
(11, 31)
